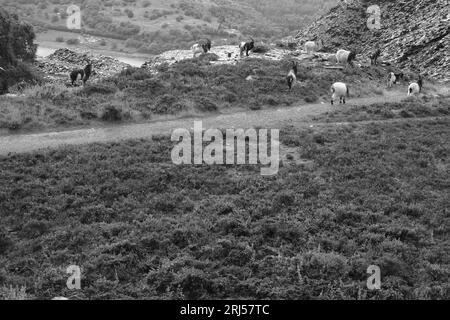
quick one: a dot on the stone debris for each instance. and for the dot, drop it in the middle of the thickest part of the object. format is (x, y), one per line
(226, 54)
(63, 61)
(414, 35)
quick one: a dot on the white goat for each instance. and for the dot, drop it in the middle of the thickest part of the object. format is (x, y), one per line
(312, 46)
(197, 49)
(344, 57)
(393, 78)
(339, 90)
(415, 87)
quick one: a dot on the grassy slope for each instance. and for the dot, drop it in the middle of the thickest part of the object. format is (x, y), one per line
(187, 88)
(141, 227)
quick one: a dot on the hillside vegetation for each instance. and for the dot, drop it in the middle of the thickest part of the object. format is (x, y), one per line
(154, 26)
(140, 227)
(189, 87)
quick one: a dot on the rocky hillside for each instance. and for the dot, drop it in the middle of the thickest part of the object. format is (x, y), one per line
(413, 35)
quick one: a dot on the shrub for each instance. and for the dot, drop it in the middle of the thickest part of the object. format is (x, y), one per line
(98, 88)
(111, 113)
(5, 242)
(330, 266)
(73, 42)
(13, 293)
(206, 105)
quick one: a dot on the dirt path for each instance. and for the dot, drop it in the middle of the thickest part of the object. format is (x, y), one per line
(270, 119)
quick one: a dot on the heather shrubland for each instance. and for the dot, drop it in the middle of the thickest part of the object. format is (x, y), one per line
(413, 107)
(190, 87)
(140, 227)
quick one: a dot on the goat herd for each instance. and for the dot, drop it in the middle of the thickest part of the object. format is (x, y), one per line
(339, 89)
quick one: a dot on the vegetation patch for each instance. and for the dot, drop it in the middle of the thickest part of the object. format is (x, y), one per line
(188, 87)
(141, 227)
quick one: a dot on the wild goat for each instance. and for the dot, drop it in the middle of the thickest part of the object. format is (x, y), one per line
(205, 44)
(344, 57)
(374, 57)
(393, 78)
(247, 46)
(197, 49)
(74, 75)
(85, 74)
(292, 75)
(312, 46)
(339, 90)
(415, 87)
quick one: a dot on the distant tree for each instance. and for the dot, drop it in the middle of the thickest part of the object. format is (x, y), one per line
(16, 47)
(16, 40)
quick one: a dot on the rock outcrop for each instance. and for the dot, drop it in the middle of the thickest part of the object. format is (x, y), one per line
(414, 35)
(63, 61)
(227, 54)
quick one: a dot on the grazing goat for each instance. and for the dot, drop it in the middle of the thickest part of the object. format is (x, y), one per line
(339, 90)
(197, 49)
(292, 75)
(344, 57)
(85, 74)
(247, 46)
(311, 46)
(393, 78)
(74, 75)
(374, 57)
(205, 44)
(415, 87)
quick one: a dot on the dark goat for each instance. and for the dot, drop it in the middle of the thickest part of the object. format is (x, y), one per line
(420, 82)
(85, 74)
(351, 57)
(374, 57)
(74, 75)
(206, 45)
(292, 75)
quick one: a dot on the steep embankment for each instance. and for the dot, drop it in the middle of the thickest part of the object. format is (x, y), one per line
(413, 34)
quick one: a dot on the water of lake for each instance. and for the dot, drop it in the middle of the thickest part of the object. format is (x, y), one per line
(43, 52)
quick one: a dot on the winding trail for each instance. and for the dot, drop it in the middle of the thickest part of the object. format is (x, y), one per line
(272, 118)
